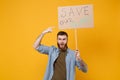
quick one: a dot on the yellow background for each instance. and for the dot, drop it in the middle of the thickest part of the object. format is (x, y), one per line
(21, 21)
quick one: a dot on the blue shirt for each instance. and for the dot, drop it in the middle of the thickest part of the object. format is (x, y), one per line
(53, 53)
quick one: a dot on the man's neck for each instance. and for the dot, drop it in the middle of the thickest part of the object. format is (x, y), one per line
(63, 50)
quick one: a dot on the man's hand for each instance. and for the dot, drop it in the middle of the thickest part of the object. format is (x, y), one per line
(48, 30)
(77, 54)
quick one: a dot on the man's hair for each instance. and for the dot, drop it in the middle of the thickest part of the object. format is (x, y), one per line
(62, 33)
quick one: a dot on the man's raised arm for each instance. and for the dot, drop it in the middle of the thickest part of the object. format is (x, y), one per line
(39, 39)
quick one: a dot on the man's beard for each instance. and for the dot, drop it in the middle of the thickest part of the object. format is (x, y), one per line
(64, 48)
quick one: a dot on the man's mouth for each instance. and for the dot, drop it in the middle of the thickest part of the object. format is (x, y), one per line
(61, 44)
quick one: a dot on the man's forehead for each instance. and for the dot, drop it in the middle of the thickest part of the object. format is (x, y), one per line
(62, 36)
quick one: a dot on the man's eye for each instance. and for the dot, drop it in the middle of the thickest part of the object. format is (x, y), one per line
(64, 39)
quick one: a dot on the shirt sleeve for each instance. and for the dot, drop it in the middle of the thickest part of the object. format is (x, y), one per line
(77, 63)
(43, 49)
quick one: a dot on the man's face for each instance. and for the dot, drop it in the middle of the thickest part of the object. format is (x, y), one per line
(62, 41)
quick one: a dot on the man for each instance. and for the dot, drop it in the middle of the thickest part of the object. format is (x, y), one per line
(62, 60)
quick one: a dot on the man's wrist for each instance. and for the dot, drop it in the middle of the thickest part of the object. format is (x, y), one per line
(80, 59)
(43, 33)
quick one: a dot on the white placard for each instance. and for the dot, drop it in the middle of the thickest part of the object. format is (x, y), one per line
(80, 16)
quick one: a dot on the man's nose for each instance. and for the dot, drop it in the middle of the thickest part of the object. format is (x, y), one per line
(62, 40)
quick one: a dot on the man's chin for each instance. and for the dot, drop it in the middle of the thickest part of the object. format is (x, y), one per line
(62, 48)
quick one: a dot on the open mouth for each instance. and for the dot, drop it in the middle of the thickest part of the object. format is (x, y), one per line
(61, 44)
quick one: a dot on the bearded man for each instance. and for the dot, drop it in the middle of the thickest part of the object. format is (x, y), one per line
(62, 60)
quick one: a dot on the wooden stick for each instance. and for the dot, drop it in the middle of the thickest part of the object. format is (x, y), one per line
(76, 43)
